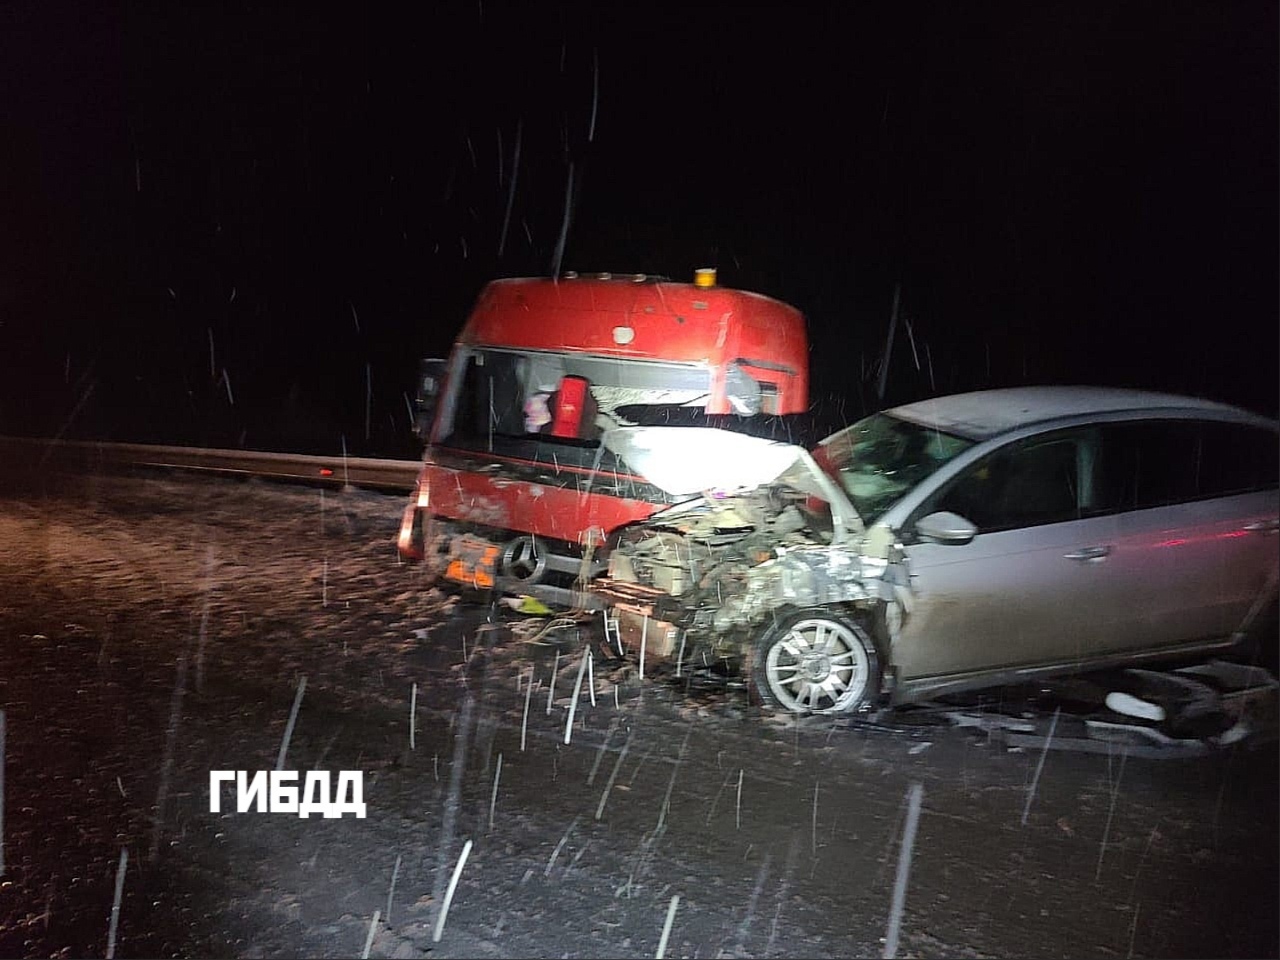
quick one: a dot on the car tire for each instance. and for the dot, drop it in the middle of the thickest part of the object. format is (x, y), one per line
(815, 661)
(1260, 646)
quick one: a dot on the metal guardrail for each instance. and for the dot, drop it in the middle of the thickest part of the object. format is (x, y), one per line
(336, 471)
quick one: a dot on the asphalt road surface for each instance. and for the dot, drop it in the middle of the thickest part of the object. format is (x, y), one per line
(155, 628)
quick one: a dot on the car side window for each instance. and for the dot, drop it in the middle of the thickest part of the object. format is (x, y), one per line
(1237, 458)
(1156, 463)
(1045, 479)
(1149, 463)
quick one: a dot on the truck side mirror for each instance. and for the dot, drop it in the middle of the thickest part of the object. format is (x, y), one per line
(430, 382)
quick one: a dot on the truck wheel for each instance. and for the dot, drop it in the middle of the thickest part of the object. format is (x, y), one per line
(816, 661)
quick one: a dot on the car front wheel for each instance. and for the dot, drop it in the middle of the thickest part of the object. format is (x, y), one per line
(816, 661)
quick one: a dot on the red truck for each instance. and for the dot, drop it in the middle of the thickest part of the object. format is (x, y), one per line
(521, 480)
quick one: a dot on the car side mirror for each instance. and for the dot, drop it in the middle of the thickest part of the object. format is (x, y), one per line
(946, 527)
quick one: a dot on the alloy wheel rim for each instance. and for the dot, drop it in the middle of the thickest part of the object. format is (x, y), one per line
(817, 666)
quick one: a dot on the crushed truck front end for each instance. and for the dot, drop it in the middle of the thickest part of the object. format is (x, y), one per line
(524, 473)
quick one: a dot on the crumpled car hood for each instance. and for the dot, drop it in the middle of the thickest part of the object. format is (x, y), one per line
(684, 461)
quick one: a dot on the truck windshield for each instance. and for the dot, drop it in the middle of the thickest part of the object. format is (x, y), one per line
(880, 458)
(505, 397)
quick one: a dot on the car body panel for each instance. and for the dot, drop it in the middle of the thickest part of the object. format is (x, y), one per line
(991, 413)
(1191, 571)
(964, 617)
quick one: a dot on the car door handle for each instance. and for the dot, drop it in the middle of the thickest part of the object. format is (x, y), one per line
(1263, 526)
(1088, 553)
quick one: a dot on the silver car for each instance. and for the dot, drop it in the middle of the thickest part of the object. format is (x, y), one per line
(961, 542)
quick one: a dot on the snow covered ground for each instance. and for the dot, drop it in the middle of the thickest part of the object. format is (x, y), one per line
(155, 628)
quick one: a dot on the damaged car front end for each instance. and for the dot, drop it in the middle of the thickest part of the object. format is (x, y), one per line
(761, 574)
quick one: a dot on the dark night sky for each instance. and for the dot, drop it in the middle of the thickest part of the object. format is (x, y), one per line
(1066, 193)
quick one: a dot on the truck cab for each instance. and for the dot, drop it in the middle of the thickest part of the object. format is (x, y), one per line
(521, 481)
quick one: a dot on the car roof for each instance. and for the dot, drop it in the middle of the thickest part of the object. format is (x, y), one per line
(988, 413)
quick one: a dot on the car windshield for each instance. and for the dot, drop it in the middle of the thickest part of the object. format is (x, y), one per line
(881, 458)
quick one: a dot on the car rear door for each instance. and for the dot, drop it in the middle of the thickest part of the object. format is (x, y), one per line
(1196, 542)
